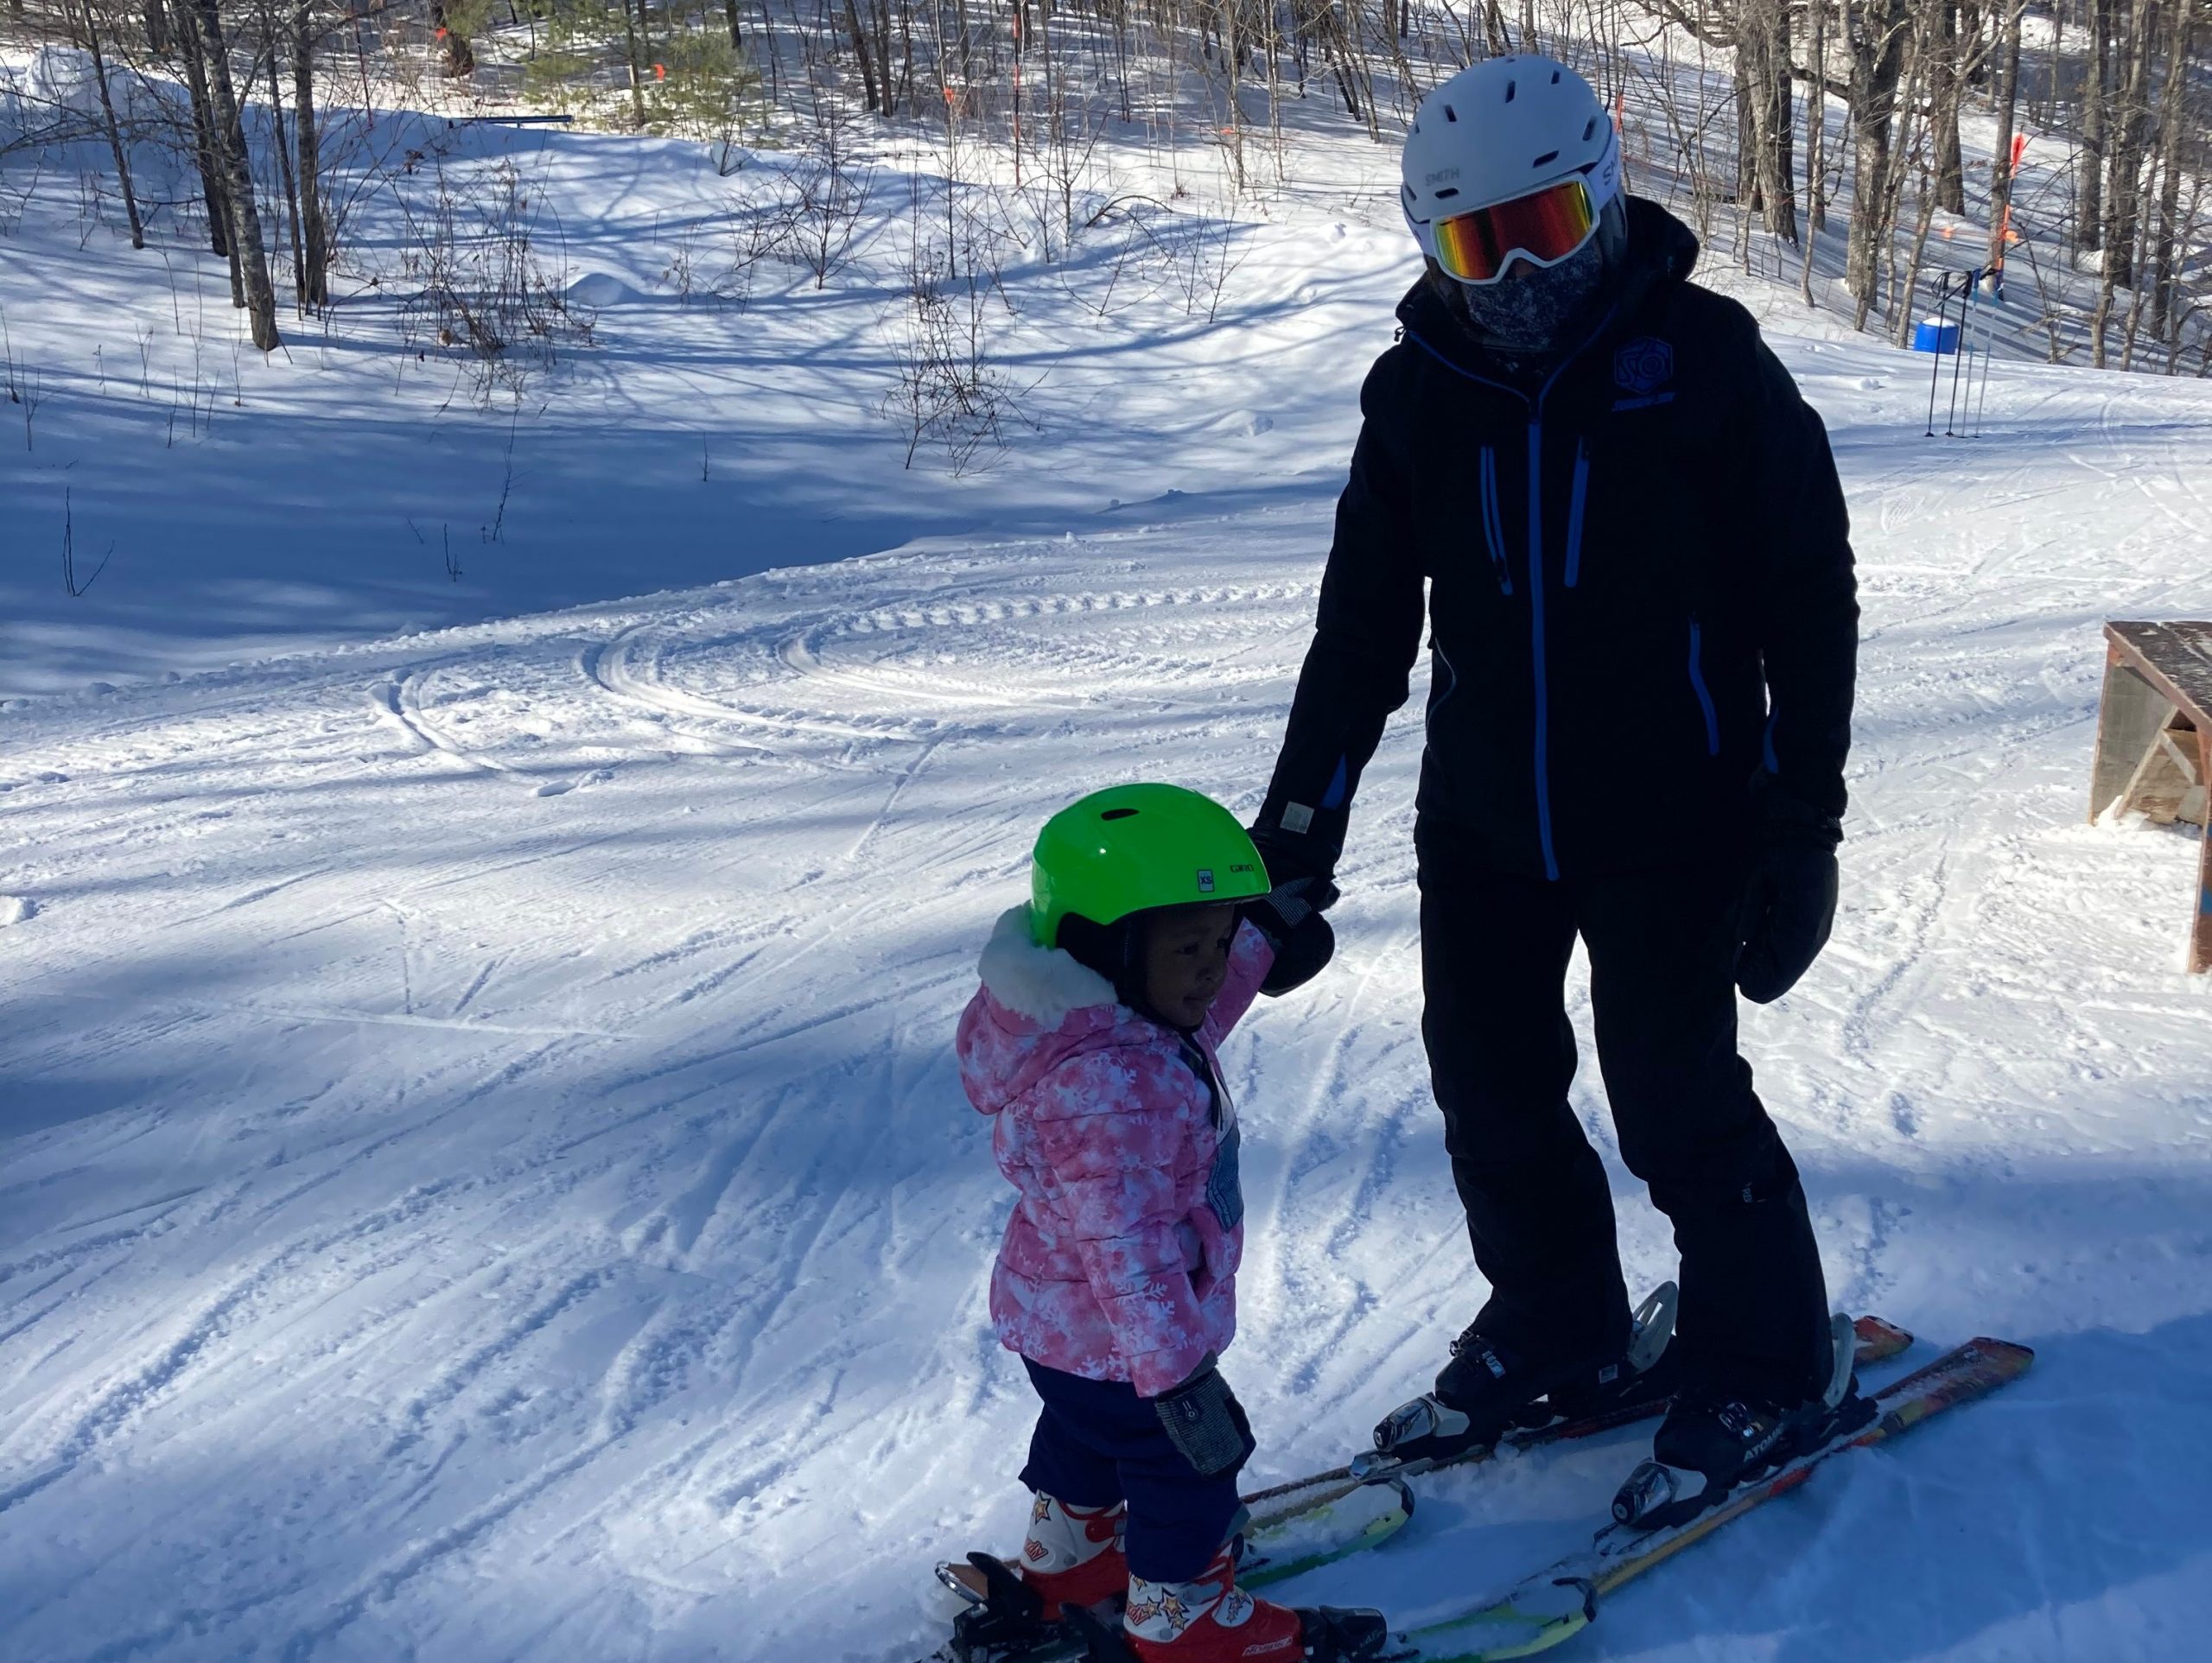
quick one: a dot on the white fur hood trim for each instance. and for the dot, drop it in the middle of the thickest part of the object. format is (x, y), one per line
(1042, 983)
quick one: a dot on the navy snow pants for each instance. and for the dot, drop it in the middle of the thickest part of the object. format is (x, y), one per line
(1098, 1443)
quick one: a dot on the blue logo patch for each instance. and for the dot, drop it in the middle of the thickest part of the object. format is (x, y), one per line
(1643, 365)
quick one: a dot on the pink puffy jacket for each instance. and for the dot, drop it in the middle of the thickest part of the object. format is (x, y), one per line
(1120, 1261)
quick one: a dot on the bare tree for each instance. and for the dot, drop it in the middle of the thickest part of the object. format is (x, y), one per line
(2000, 162)
(1878, 45)
(108, 125)
(1946, 73)
(250, 258)
(313, 276)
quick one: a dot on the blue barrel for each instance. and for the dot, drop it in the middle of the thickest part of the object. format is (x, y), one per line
(1933, 335)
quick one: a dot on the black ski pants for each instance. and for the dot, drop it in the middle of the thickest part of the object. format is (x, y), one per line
(1661, 947)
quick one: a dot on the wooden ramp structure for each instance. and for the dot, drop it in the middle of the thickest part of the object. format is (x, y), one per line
(2154, 742)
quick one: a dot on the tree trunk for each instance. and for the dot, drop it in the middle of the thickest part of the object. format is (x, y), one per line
(1763, 82)
(867, 62)
(1747, 137)
(1944, 79)
(284, 172)
(315, 234)
(2129, 134)
(461, 57)
(2088, 197)
(1878, 63)
(2001, 166)
(2173, 128)
(157, 28)
(1816, 124)
(114, 133)
(638, 65)
(238, 178)
(203, 143)
(736, 34)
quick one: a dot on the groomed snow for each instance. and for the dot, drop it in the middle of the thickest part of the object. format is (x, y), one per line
(482, 1175)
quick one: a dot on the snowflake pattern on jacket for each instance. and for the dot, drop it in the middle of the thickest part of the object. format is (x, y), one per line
(1120, 1260)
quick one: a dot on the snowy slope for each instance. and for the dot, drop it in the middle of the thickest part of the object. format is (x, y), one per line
(481, 1174)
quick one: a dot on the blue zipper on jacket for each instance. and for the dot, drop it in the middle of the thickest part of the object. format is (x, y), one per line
(1494, 522)
(1575, 513)
(1704, 694)
(1536, 640)
(1536, 563)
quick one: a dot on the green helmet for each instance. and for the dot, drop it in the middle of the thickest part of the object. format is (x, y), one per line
(1133, 848)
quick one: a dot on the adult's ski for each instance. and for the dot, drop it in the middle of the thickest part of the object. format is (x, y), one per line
(1877, 1342)
(1559, 1601)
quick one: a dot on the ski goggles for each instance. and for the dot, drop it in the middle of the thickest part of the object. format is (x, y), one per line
(1545, 226)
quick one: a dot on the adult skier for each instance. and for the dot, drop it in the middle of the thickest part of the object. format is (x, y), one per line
(1643, 626)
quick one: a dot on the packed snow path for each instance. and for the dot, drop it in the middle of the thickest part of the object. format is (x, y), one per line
(482, 1175)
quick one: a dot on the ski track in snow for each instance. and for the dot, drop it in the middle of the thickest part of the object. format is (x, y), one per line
(485, 1177)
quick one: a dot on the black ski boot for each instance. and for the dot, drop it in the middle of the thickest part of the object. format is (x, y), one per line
(1488, 1390)
(1709, 1443)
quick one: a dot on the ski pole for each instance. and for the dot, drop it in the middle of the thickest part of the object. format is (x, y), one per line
(1989, 350)
(1935, 357)
(1966, 306)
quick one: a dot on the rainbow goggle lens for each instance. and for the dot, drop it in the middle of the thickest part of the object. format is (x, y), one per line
(1545, 225)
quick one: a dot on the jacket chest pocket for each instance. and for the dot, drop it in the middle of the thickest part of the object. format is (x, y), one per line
(1225, 1185)
(1634, 532)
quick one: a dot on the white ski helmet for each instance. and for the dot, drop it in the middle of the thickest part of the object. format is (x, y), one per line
(1499, 130)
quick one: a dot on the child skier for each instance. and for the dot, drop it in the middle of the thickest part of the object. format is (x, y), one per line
(1092, 1042)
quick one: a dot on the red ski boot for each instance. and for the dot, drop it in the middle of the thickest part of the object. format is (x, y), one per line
(1073, 1555)
(1213, 1621)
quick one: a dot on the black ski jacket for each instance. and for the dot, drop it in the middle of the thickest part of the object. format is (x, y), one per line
(1639, 585)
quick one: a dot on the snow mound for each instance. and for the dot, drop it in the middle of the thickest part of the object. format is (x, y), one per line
(600, 289)
(17, 909)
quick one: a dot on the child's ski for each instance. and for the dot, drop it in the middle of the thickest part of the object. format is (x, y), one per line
(1002, 1624)
(1546, 1609)
(1878, 1342)
(1294, 1528)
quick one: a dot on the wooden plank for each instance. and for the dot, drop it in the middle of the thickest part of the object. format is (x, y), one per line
(2184, 744)
(2200, 950)
(2129, 720)
(2154, 742)
(2160, 786)
(2165, 785)
(2175, 657)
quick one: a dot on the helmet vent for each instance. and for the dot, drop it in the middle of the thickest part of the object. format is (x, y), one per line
(1511, 88)
(1450, 114)
(1588, 128)
(1545, 160)
(1447, 193)
(1555, 78)
(1118, 814)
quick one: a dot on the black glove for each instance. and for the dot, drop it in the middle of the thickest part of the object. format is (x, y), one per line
(1292, 855)
(1789, 901)
(1206, 1423)
(1290, 918)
